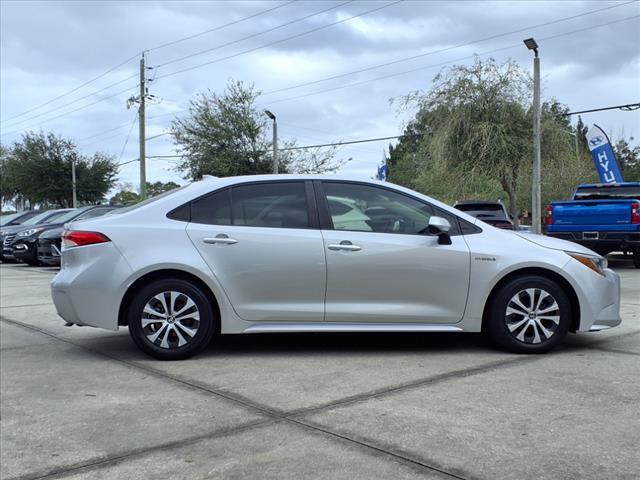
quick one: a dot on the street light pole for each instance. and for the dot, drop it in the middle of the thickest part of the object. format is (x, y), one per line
(73, 183)
(275, 140)
(535, 188)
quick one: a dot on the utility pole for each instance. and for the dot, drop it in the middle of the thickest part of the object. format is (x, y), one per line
(141, 120)
(535, 188)
(275, 140)
(73, 183)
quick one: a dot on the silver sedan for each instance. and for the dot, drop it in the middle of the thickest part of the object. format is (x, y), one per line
(292, 253)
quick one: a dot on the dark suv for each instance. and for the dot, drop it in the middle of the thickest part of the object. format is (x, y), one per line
(50, 241)
(489, 212)
(9, 231)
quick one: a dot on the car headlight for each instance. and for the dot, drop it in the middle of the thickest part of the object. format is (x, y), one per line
(28, 233)
(597, 264)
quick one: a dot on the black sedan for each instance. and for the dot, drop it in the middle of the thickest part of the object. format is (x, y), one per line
(24, 246)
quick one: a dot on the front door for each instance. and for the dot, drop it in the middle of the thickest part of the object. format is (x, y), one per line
(380, 268)
(262, 243)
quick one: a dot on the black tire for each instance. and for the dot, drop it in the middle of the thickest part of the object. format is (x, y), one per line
(533, 326)
(166, 329)
(636, 258)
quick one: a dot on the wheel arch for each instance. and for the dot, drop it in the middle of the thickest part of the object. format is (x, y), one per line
(543, 272)
(161, 274)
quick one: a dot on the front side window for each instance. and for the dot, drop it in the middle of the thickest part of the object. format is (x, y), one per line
(275, 205)
(365, 208)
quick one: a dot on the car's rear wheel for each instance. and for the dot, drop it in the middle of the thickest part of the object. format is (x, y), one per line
(171, 319)
(529, 314)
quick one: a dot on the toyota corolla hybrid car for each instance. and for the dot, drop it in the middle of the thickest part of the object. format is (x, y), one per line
(284, 253)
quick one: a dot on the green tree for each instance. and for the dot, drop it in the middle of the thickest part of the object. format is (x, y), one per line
(223, 135)
(629, 159)
(127, 196)
(157, 188)
(471, 138)
(38, 169)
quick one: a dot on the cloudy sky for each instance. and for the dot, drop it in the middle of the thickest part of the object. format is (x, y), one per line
(49, 49)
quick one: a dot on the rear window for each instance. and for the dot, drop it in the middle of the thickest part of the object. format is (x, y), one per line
(480, 207)
(631, 192)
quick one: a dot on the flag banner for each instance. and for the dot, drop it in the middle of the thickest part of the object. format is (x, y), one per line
(603, 156)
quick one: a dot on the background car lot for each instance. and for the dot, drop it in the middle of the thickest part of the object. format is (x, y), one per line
(84, 403)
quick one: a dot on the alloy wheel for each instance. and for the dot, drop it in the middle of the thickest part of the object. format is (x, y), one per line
(532, 316)
(170, 320)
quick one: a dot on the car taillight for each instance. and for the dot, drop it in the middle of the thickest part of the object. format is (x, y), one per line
(635, 213)
(549, 214)
(73, 238)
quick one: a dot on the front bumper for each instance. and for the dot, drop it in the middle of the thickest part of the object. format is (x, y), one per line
(25, 250)
(599, 297)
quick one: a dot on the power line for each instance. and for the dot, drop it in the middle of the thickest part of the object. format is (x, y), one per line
(135, 117)
(72, 102)
(220, 27)
(103, 74)
(78, 109)
(305, 147)
(516, 45)
(313, 30)
(277, 27)
(99, 134)
(626, 108)
(72, 90)
(442, 50)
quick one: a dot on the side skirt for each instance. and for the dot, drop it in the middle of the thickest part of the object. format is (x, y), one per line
(349, 327)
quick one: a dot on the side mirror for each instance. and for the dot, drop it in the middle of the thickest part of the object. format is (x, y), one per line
(440, 226)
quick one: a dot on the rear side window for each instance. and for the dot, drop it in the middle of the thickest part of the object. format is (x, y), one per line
(214, 209)
(275, 205)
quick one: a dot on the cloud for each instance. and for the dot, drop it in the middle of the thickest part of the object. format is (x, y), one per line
(49, 48)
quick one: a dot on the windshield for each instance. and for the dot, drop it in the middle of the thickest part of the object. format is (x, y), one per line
(7, 218)
(70, 215)
(37, 219)
(45, 217)
(630, 192)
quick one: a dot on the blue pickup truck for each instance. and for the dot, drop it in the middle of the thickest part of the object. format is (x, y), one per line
(602, 217)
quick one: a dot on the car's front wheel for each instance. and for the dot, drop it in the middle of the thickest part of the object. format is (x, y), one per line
(529, 314)
(171, 319)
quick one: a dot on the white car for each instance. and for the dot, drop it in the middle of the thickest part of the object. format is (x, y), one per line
(261, 254)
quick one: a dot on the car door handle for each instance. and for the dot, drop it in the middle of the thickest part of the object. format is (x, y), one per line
(221, 238)
(344, 246)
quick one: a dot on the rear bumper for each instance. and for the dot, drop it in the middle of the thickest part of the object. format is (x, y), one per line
(88, 288)
(48, 252)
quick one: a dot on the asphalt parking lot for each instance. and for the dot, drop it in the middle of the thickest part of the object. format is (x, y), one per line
(85, 403)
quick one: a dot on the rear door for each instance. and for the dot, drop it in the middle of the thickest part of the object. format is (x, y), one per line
(263, 243)
(379, 267)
